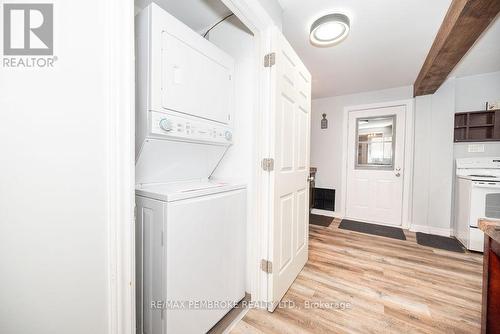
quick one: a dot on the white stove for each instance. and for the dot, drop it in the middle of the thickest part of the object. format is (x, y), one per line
(477, 195)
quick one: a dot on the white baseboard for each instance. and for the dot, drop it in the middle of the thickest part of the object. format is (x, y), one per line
(445, 232)
(324, 213)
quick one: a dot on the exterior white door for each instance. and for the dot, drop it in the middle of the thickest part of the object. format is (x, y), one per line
(375, 164)
(290, 128)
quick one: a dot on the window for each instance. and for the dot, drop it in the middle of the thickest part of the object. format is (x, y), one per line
(492, 209)
(375, 142)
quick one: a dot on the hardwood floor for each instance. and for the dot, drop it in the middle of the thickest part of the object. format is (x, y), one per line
(391, 286)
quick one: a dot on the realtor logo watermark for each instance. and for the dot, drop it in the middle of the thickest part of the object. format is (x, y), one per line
(28, 35)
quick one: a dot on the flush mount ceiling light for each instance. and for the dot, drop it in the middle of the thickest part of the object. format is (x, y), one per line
(329, 30)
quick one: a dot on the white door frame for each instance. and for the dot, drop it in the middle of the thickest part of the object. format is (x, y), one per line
(254, 16)
(408, 155)
(120, 121)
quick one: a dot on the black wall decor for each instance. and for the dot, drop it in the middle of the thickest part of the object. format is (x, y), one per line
(324, 199)
(324, 122)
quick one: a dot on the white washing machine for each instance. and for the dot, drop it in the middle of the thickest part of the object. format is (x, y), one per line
(191, 254)
(190, 229)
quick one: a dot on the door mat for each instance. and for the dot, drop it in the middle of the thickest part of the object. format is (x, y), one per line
(380, 230)
(320, 220)
(437, 241)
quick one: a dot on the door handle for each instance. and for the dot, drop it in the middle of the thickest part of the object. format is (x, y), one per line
(398, 174)
(310, 179)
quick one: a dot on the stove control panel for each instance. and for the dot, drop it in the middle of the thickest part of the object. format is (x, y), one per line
(186, 129)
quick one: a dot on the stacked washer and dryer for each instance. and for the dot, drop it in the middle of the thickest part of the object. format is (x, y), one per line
(190, 229)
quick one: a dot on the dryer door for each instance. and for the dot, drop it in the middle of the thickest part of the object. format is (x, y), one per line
(196, 80)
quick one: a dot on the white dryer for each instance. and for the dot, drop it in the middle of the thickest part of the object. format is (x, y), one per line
(185, 86)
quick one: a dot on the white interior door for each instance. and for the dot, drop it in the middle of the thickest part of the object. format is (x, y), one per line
(290, 128)
(375, 165)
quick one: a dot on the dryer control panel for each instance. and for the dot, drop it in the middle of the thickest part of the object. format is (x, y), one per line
(186, 129)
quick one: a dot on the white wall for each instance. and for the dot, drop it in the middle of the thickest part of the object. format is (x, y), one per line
(433, 161)
(53, 184)
(274, 10)
(435, 152)
(471, 94)
(327, 144)
(461, 150)
(234, 38)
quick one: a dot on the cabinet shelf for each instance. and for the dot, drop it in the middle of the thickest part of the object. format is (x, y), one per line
(474, 126)
(481, 125)
(477, 126)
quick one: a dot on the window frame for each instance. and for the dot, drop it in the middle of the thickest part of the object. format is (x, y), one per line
(390, 167)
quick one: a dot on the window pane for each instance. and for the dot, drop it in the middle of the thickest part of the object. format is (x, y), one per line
(374, 142)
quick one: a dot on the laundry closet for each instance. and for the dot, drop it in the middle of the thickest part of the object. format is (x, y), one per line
(195, 93)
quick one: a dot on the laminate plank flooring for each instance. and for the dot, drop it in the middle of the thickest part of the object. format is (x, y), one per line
(358, 283)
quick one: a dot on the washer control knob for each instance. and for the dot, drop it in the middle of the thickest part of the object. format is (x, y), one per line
(228, 135)
(166, 125)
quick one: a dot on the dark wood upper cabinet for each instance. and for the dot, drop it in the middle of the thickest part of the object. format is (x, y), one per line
(477, 126)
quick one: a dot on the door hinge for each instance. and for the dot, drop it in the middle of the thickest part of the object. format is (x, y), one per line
(270, 59)
(268, 164)
(162, 237)
(266, 266)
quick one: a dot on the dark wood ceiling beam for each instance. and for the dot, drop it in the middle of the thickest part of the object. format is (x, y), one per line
(463, 24)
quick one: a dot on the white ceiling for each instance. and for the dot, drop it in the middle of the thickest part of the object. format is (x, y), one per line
(386, 48)
(199, 15)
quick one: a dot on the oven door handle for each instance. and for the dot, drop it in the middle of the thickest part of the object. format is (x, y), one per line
(487, 185)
